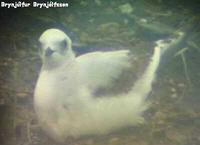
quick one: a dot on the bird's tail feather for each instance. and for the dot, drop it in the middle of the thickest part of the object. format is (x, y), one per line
(127, 108)
(143, 86)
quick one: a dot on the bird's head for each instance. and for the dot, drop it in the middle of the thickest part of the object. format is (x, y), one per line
(55, 47)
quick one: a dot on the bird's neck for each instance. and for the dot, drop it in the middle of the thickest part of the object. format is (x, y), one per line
(65, 59)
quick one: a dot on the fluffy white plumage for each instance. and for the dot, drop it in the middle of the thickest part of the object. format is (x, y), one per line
(64, 99)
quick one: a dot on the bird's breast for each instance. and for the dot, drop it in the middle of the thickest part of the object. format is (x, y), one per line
(57, 88)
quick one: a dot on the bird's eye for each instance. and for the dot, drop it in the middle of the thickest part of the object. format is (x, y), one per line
(63, 45)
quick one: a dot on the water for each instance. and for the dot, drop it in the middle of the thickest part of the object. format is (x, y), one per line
(173, 116)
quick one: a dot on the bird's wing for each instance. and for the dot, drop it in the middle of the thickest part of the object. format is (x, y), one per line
(98, 69)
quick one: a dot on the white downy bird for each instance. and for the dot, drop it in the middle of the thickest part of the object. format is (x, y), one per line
(64, 95)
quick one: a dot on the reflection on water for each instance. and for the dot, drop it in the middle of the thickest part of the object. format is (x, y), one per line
(173, 116)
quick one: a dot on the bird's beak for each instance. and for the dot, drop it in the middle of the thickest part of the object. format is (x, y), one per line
(48, 52)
